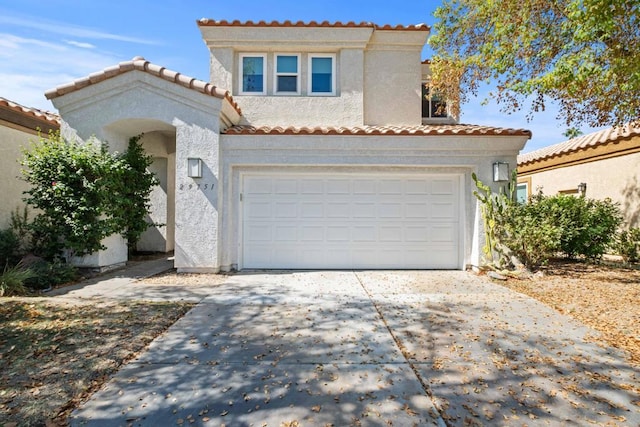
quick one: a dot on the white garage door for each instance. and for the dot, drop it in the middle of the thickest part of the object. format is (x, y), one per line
(351, 221)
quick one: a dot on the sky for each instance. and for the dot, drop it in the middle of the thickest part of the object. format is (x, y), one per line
(44, 44)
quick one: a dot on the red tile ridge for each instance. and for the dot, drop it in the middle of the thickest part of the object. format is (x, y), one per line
(141, 64)
(420, 130)
(46, 116)
(206, 22)
(582, 142)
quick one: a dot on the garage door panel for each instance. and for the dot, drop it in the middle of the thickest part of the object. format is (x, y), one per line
(444, 233)
(363, 210)
(390, 234)
(258, 210)
(323, 221)
(312, 233)
(364, 186)
(338, 210)
(443, 210)
(311, 209)
(311, 186)
(338, 234)
(390, 210)
(338, 186)
(417, 187)
(284, 233)
(443, 186)
(286, 210)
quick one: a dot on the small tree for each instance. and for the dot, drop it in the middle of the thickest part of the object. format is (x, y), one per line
(134, 192)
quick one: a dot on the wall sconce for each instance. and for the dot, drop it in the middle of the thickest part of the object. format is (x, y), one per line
(194, 167)
(582, 188)
(500, 171)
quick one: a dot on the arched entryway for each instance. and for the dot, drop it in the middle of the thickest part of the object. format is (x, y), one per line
(159, 141)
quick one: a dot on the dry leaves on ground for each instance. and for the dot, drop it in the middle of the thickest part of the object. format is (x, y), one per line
(604, 297)
(55, 354)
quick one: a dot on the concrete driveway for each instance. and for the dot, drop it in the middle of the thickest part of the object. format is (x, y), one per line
(372, 349)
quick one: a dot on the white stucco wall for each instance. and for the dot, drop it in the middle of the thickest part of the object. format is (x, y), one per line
(128, 104)
(12, 140)
(379, 154)
(617, 178)
(393, 77)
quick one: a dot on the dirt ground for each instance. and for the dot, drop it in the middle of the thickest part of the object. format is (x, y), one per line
(54, 353)
(603, 296)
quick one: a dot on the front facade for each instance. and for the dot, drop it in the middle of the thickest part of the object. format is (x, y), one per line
(318, 152)
(600, 165)
(19, 126)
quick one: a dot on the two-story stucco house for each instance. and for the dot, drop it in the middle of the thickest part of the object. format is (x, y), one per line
(310, 147)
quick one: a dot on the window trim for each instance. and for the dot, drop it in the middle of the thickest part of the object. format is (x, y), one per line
(241, 57)
(310, 74)
(276, 74)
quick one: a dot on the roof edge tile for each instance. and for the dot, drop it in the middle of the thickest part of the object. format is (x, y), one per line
(141, 64)
(420, 130)
(580, 143)
(48, 117)
(206, 22)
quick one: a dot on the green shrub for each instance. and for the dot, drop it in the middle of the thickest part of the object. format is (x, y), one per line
(627, 245)
(588, 225)
(536, 231)
(84, 194)
(13, 279)
(47, 274)
(531, 232)
(9, 243)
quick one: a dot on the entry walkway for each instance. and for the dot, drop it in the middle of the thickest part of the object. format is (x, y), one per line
(368, 348)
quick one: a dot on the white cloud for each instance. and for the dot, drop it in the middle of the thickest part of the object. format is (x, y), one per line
(69, 30)
(80, 44)
(32, 66)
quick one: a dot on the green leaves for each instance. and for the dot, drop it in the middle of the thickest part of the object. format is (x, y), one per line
(546, 226)
(581, 53)
(84, 194)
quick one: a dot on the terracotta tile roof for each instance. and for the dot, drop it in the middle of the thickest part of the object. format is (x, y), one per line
(141, 64)
(582, 142)
(421, 130)
(46, 116)
(204, 22)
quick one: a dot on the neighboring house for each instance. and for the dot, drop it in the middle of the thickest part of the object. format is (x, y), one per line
(310, 147)
(19, 126)
(603, 164)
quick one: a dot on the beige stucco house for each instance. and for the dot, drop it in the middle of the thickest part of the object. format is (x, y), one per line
(19, 126)
(603, 164)
(309, 148)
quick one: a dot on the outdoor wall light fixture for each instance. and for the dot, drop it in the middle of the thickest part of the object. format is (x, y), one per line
(500, 171)
(194, 167)
(582, 188)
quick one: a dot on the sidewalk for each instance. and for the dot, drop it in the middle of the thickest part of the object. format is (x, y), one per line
(123, 284)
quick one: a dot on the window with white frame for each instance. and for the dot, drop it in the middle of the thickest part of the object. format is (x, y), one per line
(433, 106)
(522, 192)
(252, 70)
(287, 75)
(322, 74)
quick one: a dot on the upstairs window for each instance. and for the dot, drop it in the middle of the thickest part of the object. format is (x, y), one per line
(432, 105)
(322, 70)
(252, 69)
(287, 76)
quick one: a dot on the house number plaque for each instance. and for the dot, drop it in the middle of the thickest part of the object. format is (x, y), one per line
(199, 186)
